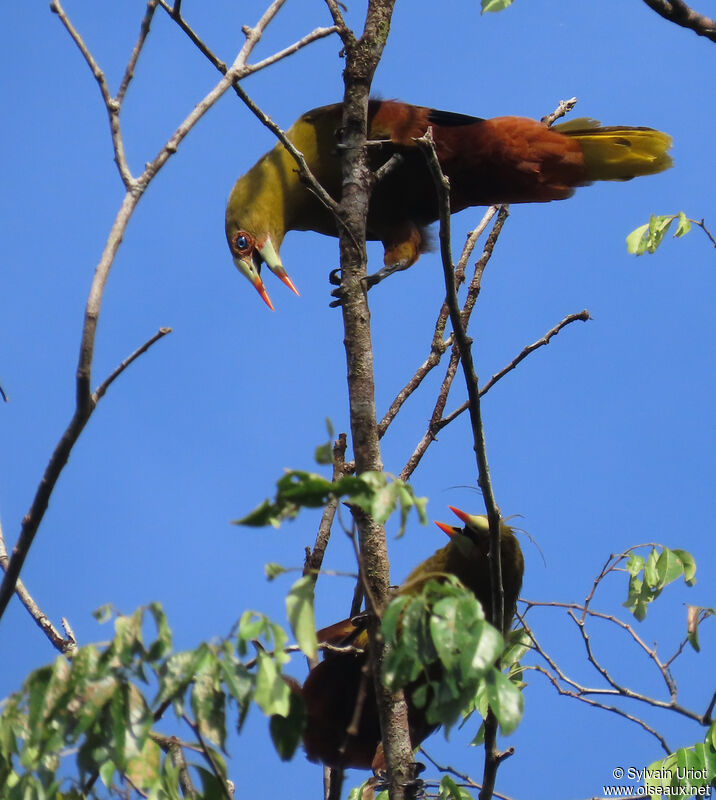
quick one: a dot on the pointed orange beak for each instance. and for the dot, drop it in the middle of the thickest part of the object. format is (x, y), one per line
(261, 289)
(461, 515)
(283, 275)
(449, 529)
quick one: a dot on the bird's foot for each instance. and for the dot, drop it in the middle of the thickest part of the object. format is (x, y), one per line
(414, 788)
(334, 278)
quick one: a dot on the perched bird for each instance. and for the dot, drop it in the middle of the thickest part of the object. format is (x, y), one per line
(501, 160)
(337, 684)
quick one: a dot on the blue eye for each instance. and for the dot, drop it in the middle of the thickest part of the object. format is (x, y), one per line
(242, 243)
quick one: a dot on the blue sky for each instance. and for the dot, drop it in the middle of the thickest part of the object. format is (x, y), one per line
(600, 441)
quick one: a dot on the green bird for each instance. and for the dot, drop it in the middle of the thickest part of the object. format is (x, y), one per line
(331, 688)
(488, 161)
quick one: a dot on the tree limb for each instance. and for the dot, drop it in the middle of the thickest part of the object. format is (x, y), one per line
(679, 13)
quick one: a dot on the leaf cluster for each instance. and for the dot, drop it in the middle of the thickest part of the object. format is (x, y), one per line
(687, 773)
(375, 492)
(104, 705)
(647, 238)
(648, 576)
(441, 647)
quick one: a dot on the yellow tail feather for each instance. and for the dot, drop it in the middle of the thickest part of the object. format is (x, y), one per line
(619, 154)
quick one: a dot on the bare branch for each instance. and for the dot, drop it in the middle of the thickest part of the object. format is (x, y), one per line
(437, 350)
(132, 63)
(227, 786)
(102, 388)
(582, 316)
(468, 781)
(702, 225)
(579, 692)
(679, 13)
(472, 295)
(303, 167)
(564, 107)
(314, 558)
(63, 644)
(86, 403)
(439, 345)
(174, 747)
(344, 31)
(110, 103)
(497, 611)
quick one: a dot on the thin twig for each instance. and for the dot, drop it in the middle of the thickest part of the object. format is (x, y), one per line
(346, 34)
(111, 104)
(703, 227)
(314, 558)
(472, 295)
(64, 644)
(304, 171)
(102, 388)
(468, 781)
(132, 63)
(564, 107)
(211, 761)
(174, 748)
(579, 692)
(530, 348)
(31, 521)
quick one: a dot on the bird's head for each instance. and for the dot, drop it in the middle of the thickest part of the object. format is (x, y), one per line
(255, 229)
(476, 530)
(250, 250)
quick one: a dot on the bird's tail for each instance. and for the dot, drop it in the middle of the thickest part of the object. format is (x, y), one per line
(619, 153)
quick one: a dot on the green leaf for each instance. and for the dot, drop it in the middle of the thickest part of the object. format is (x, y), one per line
(273, 570)
(143, 768)
(177, 672)
(634, 564)
(683, 227)
(103, 613)
(268, 513)
(163, 643)
(669, 567)
(299, 609)
(272, 693)
(127, 637)
(686, 770)
(323, 454)
(505, 699)
(211, 784)
(636, 240)
(688, 563)
(106, 773)
(366, 790)
(239, 683)
(449, 790)
(119, 715)
(392, 615)
(286, 731)
(711, 736)
(651, 573)
(251, 625)
(208, 701)
(517, 643)
(489, 6)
